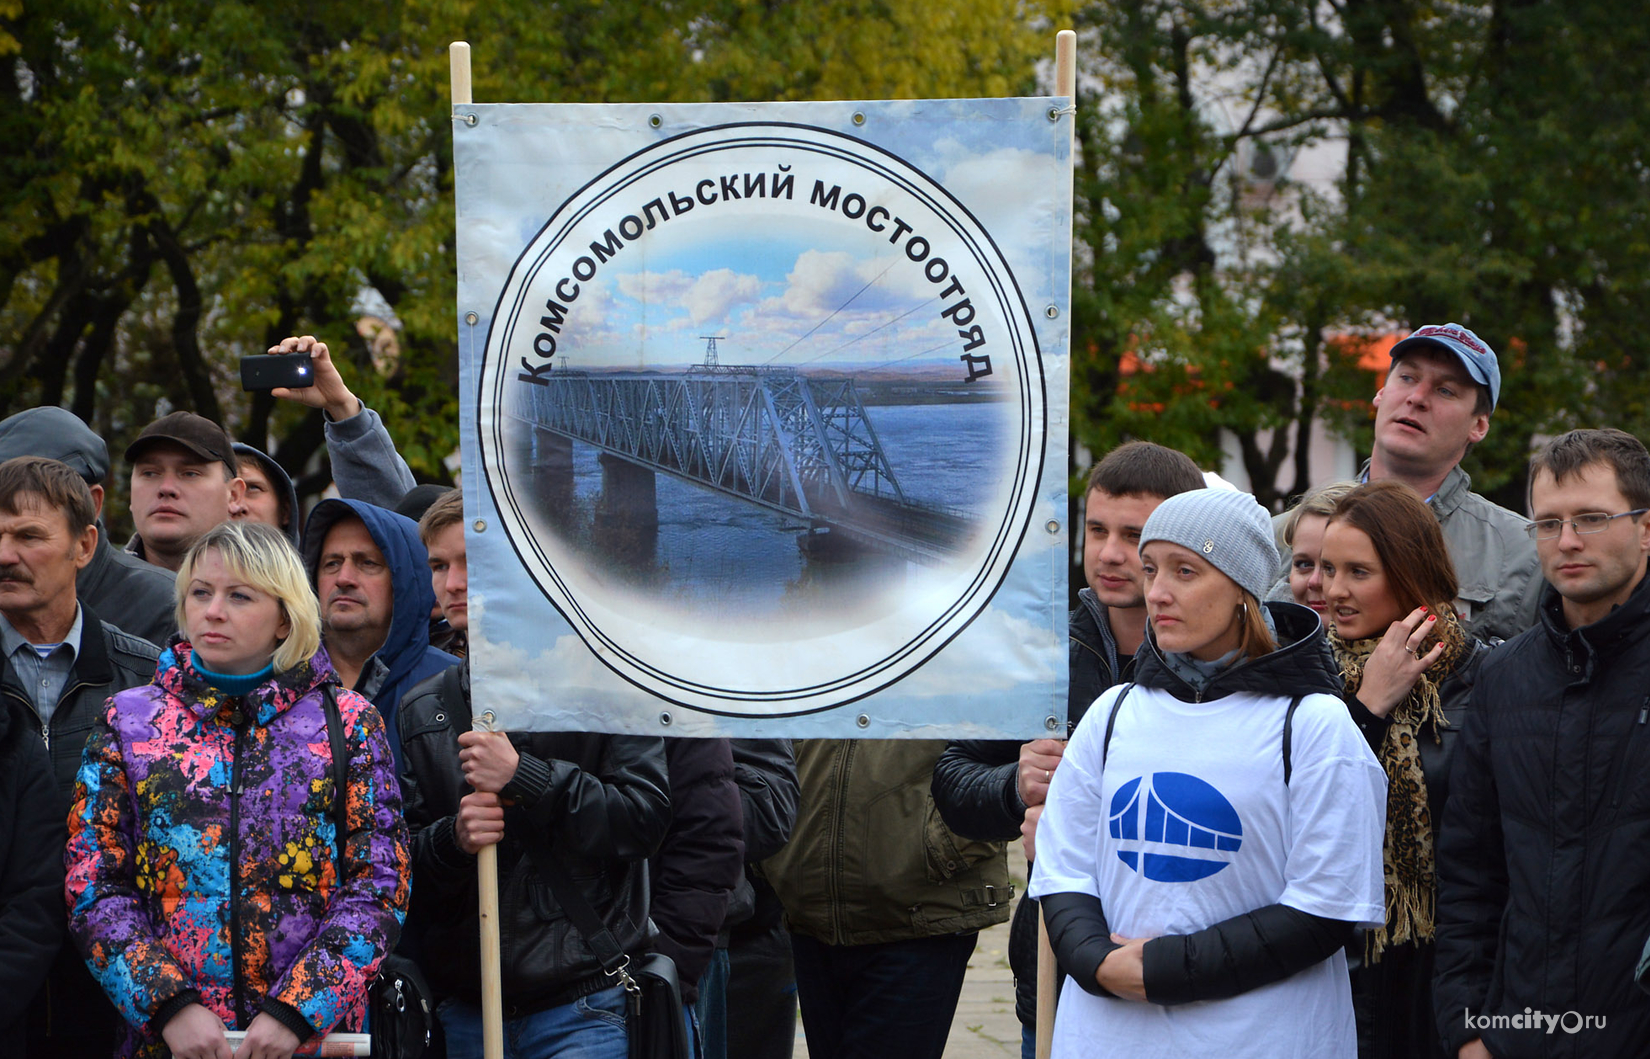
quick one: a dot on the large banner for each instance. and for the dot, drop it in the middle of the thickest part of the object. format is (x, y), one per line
(764, 415)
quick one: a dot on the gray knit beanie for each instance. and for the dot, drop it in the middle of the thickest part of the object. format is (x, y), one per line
(1227, 528)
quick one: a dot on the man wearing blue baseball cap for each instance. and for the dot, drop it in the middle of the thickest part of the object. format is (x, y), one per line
(1436, 404)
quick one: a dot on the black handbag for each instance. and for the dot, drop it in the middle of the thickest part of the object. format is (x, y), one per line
(400, 1012)
(654, 1021)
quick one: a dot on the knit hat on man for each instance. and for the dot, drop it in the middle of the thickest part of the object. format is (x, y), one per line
(1227, 528)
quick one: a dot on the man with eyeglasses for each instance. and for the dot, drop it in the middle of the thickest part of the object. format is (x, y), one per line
(1435, 405)
(1544, 853)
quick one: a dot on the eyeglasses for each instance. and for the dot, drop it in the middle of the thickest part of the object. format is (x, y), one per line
(1546, 529)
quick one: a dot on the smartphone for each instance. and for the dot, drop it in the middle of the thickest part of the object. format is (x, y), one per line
(267, 371)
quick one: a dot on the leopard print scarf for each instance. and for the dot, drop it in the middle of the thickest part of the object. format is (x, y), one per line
(1411, 880)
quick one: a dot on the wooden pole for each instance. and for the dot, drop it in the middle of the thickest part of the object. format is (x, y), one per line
(492, 978)
(1048, 972)
(458, 57)
(1048, 985)
(1065, 64)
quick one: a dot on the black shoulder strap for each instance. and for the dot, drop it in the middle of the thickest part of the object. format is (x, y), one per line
(1111, 722)
(340, 773)
(1288, 734)
(577, 907)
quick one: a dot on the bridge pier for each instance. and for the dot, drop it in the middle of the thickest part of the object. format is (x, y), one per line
(549, 458)
(627, 515)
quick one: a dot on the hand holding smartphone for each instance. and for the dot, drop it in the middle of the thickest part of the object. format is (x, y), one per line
(264, 371)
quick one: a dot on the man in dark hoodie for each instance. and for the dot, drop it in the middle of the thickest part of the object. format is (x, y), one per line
(113, 582)
(371, 573)
(269, 497)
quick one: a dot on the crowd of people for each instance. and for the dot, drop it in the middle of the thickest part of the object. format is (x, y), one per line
(1369, 778)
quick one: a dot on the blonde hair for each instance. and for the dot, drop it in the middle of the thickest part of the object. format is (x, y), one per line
(262, 557)
(1320, 501)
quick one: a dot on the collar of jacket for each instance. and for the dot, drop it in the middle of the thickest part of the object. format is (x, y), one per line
(1584, 645)
(1302, 665)
(176, 676)
(1452, 491)
(1105, 642)
(91, 660)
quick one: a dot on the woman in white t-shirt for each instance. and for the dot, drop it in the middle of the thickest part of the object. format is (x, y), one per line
(1213, 837)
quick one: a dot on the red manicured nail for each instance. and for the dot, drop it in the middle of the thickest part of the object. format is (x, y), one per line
(1432, 617)
(1423, 609)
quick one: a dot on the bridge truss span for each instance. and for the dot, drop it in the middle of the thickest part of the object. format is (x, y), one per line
(800, 446)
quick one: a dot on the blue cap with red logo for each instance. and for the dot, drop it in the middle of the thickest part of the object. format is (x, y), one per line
(1473, 352)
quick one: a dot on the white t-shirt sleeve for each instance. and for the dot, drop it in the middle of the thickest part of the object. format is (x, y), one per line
(1068, 834)
(1336, 817)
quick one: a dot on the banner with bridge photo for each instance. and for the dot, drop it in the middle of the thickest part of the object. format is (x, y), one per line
(765, 415)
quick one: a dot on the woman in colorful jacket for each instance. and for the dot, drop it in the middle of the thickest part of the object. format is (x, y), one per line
(207, 882)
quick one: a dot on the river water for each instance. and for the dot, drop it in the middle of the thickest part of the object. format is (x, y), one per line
(715, 555)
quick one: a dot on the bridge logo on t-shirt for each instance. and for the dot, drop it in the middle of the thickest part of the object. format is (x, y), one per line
(1180, 811)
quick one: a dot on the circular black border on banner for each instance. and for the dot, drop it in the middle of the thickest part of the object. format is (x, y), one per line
(1011, 532)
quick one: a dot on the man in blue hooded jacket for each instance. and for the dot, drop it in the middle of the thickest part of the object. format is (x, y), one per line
(371, 575)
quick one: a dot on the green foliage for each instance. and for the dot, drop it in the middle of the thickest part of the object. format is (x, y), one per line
(187, 183)
(1496, 175)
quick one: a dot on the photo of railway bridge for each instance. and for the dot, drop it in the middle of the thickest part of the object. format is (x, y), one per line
(801, 446)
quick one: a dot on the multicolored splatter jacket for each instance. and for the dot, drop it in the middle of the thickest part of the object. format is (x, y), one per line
(201, 852)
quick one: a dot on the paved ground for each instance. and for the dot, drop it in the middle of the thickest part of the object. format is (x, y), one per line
(985, 1026)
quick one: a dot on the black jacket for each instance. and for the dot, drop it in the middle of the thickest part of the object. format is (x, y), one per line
(700, 860)
(601, 802)
(765, 770)
(140, 594)
(1544, 853)
(1393, 996)
(108, 661)
(975, 781)
(1247, 951)
(72, 1006)
(32, 835)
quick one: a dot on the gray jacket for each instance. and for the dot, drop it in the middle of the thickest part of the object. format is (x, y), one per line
(1495, 559)
(365, 465)
(141, 594)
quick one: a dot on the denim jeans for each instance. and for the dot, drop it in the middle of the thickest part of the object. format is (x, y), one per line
(893, 1000)
(591, 1027)
(712, 1008)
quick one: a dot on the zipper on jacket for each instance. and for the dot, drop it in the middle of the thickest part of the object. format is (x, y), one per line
(238, 719)
(22, 700)
(833, 877)
(1622, 765)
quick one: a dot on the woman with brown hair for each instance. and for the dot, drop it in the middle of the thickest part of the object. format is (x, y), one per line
(1407, 665)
